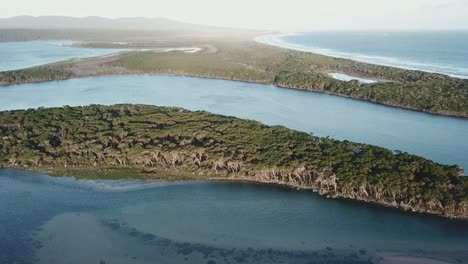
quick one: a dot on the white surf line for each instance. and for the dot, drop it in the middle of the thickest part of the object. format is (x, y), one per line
(277, 41)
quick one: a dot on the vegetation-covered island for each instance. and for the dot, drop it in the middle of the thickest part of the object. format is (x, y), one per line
(150, 142)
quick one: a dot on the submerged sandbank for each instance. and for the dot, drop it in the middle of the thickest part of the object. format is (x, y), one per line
(115, 241)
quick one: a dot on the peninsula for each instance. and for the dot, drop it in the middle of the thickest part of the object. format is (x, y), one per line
(243, 59)
(166, 143)
(226, 53)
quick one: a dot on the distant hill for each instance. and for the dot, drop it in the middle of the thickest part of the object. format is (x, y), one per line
(27, 28)
(136, 23)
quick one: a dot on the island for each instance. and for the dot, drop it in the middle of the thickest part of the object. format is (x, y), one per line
(170, 143)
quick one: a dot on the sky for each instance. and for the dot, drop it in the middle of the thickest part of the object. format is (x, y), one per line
(285, 15)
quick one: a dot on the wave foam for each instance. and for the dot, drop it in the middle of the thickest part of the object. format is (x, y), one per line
(278, 41)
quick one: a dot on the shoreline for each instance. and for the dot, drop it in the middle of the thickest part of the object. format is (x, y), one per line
(243, 179)
(235, 179)
(274, 40)
(409, 211)
(275, 66)
(136, 73)
(170, 154)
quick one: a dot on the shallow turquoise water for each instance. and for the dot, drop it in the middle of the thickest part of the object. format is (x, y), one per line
(18, 55)
(214, 218)
(442, 139)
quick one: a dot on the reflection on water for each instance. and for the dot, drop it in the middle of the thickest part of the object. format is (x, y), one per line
(61, 220)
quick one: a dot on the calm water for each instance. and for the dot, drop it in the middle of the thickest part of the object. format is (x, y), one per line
(442, 139)
(441, 52)
(61, 220)
(18, 55)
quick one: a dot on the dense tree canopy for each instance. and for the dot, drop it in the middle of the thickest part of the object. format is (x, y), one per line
(170, 143)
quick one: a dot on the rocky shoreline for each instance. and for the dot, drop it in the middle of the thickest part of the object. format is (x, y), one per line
(257, 177)
(326, 193)
(160, 143)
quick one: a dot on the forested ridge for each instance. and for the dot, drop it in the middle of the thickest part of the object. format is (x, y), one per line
(150, 142)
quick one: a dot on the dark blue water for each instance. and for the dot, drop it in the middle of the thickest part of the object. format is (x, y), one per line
(61, 220)
(442, 139)
(440, 52)
(18, 55)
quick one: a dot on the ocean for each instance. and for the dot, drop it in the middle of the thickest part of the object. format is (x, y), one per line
(444, 52)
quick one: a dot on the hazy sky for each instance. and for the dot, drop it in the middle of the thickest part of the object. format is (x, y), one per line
(287, 15)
